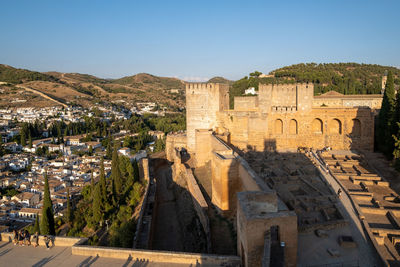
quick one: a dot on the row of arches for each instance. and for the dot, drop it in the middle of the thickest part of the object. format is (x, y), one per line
(317, 127)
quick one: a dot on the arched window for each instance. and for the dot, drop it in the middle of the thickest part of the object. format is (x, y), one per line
(293, 126)
(355, 128)
(335, 127)
(316, 126)
(278, 127)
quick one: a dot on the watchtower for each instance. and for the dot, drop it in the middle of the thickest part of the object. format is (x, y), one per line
(203, 100)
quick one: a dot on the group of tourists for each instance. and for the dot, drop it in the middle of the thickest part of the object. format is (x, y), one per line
(24, 238)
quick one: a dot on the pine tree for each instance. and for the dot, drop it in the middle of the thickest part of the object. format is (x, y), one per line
(70, 214)
(384, 131)
(36, 227)
(116, 173)
(47, 222)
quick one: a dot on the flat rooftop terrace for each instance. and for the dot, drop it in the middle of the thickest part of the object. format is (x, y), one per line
(11, 255)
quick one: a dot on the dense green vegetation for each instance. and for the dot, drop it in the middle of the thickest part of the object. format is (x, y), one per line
(110, 201)
(15, 76)
(9, 191)
(345, 78)
(388, 126)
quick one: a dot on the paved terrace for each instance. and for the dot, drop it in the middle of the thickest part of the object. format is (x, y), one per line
(70, 252)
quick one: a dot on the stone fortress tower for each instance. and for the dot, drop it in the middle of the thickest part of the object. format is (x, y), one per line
(282, 117)
(203, 101)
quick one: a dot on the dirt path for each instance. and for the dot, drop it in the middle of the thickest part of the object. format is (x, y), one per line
(167, 232)
(41, 94)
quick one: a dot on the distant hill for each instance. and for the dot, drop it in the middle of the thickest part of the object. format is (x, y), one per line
(84, 89)
(15, 76)
(142, 79)
(219, 80)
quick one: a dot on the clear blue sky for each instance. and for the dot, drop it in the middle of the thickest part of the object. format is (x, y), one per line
(195, 39)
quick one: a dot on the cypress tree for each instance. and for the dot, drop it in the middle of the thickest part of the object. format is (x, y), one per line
(109, 149)
(385, 118)
(116, 173)
(36, 227)
(30, 140)
(135, 171)
(396, 116)
(23, 137)
(70, 214)
(92, 183)
(97, 207)
(47, 222)
(102, 181)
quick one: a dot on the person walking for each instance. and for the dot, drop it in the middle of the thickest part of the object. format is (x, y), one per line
(339, 192)
(47, 241)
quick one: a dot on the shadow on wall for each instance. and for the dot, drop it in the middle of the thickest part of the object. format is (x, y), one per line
(301, 186)
(358, 131)
(176, 224)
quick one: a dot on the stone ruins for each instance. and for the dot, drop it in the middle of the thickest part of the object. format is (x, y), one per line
(264, 172)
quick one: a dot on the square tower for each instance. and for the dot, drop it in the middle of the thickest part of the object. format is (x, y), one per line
(203, 101)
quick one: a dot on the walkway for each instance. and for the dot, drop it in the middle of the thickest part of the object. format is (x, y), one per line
(167, 231)
(11, 256)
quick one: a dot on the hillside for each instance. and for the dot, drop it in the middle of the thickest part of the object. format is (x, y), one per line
(143, 79)
(84, 89)
(15, 76)
(219, 80)
(345, 78)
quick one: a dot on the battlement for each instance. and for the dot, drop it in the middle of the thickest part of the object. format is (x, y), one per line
(205, 86)
(286, 97)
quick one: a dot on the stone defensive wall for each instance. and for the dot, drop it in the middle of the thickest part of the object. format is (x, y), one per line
(151, 256)
(339, 100)
(200, 204)
(58, 241)
(282, 117)
(144, 222)
(339, 128)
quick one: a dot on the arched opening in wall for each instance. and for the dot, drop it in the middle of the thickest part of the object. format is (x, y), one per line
(335, 127)
(355, 128)
(278, 127)
(316, 126)
(293, 126)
